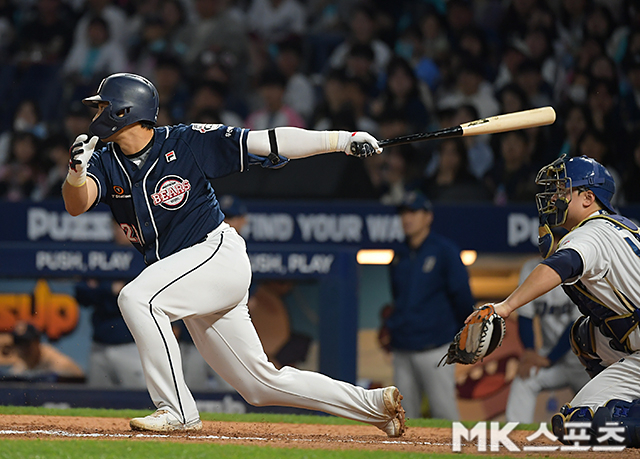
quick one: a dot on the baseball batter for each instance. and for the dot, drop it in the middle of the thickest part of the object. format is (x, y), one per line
(553, 366)
(156, 180)
(598, 264)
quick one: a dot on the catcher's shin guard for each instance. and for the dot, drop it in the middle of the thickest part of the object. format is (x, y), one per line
(568, 414)
(621, 417)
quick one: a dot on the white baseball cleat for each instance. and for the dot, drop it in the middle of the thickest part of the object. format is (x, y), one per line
(163, 421)
(393, 406)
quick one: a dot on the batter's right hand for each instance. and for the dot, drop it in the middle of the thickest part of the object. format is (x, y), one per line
(362, 144)
(80, 152)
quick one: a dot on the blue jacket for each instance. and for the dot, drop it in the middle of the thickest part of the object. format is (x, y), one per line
(431, 293)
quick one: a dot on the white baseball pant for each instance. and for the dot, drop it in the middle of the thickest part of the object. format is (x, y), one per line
(206, 285)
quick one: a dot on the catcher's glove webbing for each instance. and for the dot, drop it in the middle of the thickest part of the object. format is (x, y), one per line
(478, 338)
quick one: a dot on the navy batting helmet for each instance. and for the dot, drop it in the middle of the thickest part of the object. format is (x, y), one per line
(131, 98)
(560, 177)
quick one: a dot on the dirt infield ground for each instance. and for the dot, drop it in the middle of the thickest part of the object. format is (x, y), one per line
(362, 437)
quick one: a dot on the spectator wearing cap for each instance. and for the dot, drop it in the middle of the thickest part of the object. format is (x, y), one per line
(428, 281)
(37, 360)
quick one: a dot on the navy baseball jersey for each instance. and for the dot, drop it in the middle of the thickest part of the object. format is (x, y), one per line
(168, 203)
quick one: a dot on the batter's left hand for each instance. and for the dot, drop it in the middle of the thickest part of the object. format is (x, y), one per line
(362, 144)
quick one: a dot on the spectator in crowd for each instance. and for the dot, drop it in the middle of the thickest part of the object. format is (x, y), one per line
(606, 118)
(274, 20)
(114, 360)
(452, 182)
(92, 59)
(471, 88)
(26, 119)
(480, 156)
(630, 94)
(23, 172)
(216, 30)
(111, 13)
(428, 279)
(274, 111)
(435, 43)
(39, 361)
(358, 103)
(299, 93)
(631, 184)
(57, 155)
(553, 366)
(467, 53)
(512, 179)
(405, 94)
(362, 31)
(209, 98)
(575, 124)
(46, 34)
(360, 64)
(333, 111)
(172, 89)
(528, 77)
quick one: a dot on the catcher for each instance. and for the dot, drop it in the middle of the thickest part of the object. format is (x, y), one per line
(598, 265)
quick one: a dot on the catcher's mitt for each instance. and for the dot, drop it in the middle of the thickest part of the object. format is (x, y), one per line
(478, 338)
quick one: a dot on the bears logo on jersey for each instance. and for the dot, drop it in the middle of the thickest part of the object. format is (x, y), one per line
(171, 192)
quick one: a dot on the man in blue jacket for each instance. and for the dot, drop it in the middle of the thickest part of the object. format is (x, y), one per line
(430, 287)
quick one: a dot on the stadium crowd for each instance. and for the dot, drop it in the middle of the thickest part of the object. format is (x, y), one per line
(390, 68)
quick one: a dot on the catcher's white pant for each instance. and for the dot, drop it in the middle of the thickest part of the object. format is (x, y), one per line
(417, 373)
(521, 405)
(206, 285)
(115, 365)
(619, 380)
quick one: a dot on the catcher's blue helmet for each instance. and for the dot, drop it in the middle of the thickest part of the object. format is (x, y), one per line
(561, 176)
(131, 98)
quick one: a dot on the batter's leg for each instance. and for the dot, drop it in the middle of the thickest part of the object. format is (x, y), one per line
(405, 379)
(231, 346)
(209, 277)
(439, 383)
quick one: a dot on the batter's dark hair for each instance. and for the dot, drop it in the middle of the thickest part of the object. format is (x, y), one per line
(147, 124)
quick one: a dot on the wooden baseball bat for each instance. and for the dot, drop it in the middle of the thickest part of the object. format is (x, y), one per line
(499, 123)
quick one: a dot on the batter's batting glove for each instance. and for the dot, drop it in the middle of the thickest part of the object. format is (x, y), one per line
(362, 144)
(79, 155)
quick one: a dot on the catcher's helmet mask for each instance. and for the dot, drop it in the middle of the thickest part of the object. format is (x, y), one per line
(131, 98)
(562, 176)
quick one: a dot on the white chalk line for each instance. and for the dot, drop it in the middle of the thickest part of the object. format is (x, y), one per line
(63, 433)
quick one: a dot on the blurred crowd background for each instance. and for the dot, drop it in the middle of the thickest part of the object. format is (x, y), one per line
(390, 68)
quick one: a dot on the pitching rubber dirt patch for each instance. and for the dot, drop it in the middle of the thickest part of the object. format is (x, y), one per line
(417, 439)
